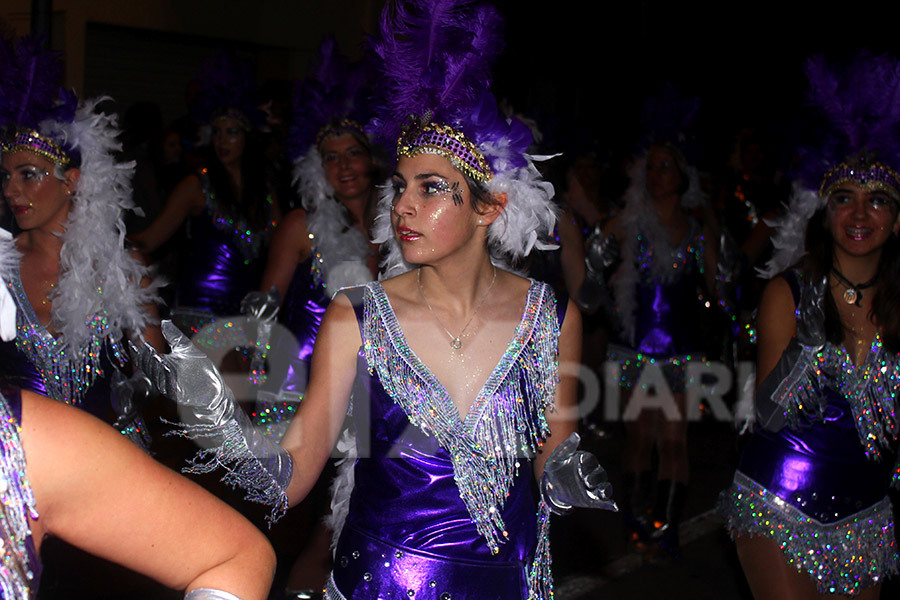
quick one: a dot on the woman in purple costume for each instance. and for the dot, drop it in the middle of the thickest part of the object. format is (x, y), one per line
(659, 256)
(325, 245)
(452, 362)
(77, 289)
(229, 210)
(62, 469)
(809, 507)
(316, 250)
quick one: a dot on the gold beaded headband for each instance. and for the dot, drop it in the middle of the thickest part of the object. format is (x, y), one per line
(32, 141)
(874, 177)
(445, 141)
(336, 128)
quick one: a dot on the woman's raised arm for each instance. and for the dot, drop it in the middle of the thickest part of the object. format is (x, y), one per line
(99, 492)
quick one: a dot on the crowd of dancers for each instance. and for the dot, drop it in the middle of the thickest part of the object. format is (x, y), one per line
(363, 304)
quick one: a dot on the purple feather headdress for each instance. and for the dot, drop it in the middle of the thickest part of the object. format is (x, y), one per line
(333, 99)
(226, 87)
(436, 59)
(434, 98)
(860, 104)
(98, 293)
(857, 140)
(669, 118)
(31, 96)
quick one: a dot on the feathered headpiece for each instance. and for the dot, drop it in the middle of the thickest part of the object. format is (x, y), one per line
(332, 101)
(32, 95)
(99, 282)
(436, 60)
(858, 140)
(225, 87)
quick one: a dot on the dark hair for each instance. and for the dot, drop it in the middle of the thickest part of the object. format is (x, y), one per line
(481, 196)
(252, 205)
(886, 302)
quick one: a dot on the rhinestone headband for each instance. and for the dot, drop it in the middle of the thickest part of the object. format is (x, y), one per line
(445, 141)
(32, 141)
(876, 176)
(339, 128)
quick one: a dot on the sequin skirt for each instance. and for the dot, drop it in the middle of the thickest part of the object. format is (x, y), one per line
(367, 568)
(843, 557)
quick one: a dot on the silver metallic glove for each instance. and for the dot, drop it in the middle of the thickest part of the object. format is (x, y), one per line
(209, 594)
(262, 306)
(573, 478)
(252, 460)
(789, 395)
(811, 314)
(7, 303)
(601, 251)
(129, 396)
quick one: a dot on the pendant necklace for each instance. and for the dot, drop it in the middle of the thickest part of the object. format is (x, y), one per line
(853, 293)
(455, 341)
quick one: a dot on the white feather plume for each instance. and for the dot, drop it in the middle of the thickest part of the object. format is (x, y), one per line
(97, 274)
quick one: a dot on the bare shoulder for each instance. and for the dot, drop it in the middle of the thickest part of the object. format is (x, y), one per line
(294, 222)
(777, 302)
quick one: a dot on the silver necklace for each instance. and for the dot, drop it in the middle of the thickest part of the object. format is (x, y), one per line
(455, 341)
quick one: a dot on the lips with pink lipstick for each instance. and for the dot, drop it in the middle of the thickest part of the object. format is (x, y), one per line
(858, 233)
(19, 209)
(407, 235)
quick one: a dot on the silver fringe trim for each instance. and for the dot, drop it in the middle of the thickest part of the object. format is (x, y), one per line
(226, 446)
(871, 390)
(16, 504)
(799, 393)
(844, 557)
(506, 421)
(67, 373)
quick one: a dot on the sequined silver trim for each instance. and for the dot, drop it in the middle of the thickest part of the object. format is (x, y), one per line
(67, 374)
(843, 557)
(248, 242)
(331, 590)
(870, 390)
(16, 504)
(506, 421)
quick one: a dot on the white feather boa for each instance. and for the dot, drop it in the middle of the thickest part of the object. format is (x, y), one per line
(789, 238)
(97, 275)
(639, 218)
(342, 250)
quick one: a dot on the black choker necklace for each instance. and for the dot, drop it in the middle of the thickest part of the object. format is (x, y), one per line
(853, 293)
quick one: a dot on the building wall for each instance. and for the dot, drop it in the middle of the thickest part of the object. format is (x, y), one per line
(132, 49)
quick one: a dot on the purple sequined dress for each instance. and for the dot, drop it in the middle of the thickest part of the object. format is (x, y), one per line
(657, 303)
(812, 477)
(39, 362)
(432, 515)
(224, 260)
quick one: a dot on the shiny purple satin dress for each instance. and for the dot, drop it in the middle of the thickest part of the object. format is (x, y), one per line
(224, 260)
(410, 532)
(664, 312)
(812, 475)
